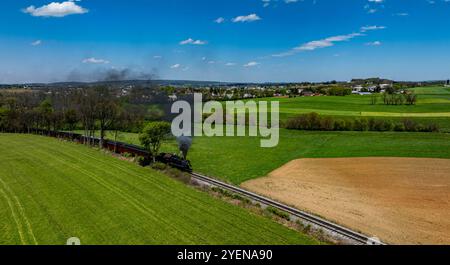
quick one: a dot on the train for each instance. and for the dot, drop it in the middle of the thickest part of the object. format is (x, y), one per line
(172, 160)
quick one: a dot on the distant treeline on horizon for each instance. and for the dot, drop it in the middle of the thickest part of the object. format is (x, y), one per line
(195, 83)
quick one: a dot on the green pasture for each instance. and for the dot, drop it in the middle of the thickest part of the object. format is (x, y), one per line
(436, 90)
(52, 190)
(433, 105)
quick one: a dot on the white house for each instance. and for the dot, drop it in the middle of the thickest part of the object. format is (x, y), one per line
(173, 97)
(384, 86)
(357, 88)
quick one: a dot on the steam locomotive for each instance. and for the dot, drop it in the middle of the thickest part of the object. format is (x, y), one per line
(175, 161)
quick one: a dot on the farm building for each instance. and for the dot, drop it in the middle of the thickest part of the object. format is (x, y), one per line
(384, 86)
(307, 94)
(173, 97)
(357, 88)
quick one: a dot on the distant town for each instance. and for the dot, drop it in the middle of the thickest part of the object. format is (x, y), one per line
(233, 91)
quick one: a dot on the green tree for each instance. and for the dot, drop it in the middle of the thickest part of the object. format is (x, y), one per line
(3, 119)
(152, 136)
(46, 111)
(71, 119)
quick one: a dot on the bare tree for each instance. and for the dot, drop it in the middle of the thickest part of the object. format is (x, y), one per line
(107, 117)
(374, 99)
(87, 99)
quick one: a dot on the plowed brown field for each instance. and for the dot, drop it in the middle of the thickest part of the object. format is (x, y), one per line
(400, 200)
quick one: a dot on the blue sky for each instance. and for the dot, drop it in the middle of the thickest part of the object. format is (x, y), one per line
(225, 40)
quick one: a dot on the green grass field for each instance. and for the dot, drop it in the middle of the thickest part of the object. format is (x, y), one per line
(433, 105)
(237, 159)
(51, 190)
(432, 102)
(432, 90)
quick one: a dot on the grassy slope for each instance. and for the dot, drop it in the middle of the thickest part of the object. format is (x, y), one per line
(238, 159)
(50, 191)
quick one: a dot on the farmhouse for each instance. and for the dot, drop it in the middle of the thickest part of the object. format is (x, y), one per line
(372, 88)
(447, 83)
(384, 86)
(173, 97)
(357, 88)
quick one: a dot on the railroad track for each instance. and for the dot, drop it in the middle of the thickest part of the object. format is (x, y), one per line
(331, 228)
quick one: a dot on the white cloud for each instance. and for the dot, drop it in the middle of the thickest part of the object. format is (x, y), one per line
(219, 20)
(175, 66)
(248, 18)
(230, 64)
(191, 41)
(93, 60)
(56, 9)
(36, 43)
(328, 42)
(157, 57)
(251, 64)
(312, 45)
(369, 28)
(373, 6)
(375, 43)
(267, 3)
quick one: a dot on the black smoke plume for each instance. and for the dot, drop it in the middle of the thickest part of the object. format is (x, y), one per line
(110, 75)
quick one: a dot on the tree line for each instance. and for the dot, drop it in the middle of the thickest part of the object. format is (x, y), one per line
(407, 98)
(316, 122)
(93, 110)
(97, 109)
